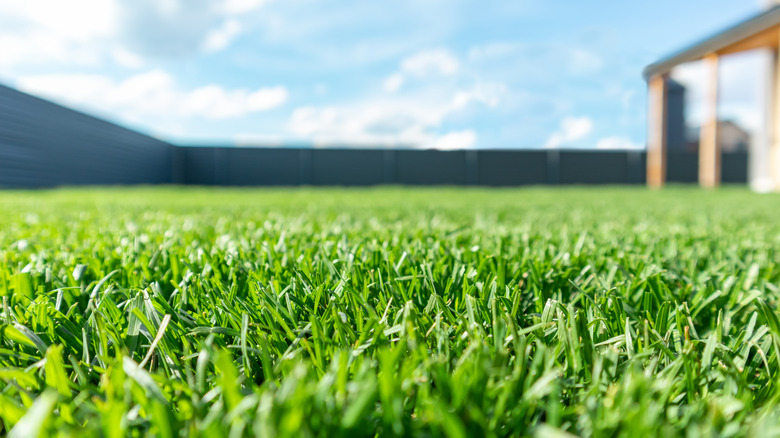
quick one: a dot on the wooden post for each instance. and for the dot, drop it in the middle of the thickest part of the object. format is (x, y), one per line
(759, 168)
(774, 125)
(709, 147)
(656, 131)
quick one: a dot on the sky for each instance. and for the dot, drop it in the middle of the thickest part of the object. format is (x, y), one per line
(419, 73)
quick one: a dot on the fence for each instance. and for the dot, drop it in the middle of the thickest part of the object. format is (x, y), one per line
(43, 144)
(364, 167)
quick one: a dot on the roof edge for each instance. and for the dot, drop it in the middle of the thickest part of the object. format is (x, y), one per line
(715, 42)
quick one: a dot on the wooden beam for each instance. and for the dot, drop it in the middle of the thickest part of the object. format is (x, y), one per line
(709, 147)
(766, 38)
(656, 131)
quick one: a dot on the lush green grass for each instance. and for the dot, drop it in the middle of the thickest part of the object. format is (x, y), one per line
(601, 312)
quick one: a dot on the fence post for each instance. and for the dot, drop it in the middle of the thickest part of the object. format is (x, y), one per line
(178, 165)
(388, 166)
(304, 161)
(634, 166)
(220, 166)
(553, 166)
(472, 167)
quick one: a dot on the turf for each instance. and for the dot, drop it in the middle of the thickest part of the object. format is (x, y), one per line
(381, 312)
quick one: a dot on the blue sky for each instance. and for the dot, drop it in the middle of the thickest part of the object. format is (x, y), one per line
(424, 73)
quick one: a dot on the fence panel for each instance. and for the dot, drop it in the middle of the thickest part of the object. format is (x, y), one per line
(427, 167)
(512, 168)
(347, 167)
(594, 167)
(44, 144)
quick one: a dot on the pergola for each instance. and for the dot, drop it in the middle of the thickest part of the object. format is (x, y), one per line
(760, 31)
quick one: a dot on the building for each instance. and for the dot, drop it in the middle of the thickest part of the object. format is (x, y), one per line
(761, 32)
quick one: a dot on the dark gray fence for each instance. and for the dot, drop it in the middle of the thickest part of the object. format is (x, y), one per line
(44, 144)
(365, 167)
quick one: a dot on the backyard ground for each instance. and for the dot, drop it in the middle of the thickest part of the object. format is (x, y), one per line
(360, 312)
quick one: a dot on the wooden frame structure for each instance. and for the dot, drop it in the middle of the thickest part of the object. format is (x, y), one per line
(760, 31)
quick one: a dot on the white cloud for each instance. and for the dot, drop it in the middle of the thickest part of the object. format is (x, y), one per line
(456, 140)
(126, 58)
(412, 119)
(583, 61)
(88, 32)
(74, 20)
(255, 139)
(617, 142)
(219, 38)
(571, 129)
(16, 49)
(39, 32)
(488, 93)
(152, 95)
(396, 122)
(394, 82)
(386, 123)
(430, 62)
(242, 6)
(425, 64)
(537, 59)
(214, 102)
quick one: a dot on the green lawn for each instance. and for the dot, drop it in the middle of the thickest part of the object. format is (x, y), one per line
(428, 312)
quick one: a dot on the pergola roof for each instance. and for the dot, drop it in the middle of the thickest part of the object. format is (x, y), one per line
(758, 31)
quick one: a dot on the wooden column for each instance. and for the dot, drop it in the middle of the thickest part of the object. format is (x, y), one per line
(709, 147)
(774, 125)
(656, 131)
(759, 173)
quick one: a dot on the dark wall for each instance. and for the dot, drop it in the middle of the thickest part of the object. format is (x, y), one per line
(594, 167)
(734, 167)
(683, 167)
(44, 144)
(366, 167)
(345, 167)
(428, 167)
(508, 168)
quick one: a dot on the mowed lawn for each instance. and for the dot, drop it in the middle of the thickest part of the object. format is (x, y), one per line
(389, 312)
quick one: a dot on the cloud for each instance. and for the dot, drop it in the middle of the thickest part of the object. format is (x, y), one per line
(74, 20)
(456, 140)
(214, 102)
(488, 93)
(414, 116)
(37, 32)
(126, 58)
(219, 38)
(537, 59)
(152, 95)
(571, 129)
(255, 139)
(430, 63)
(372, 123)
(91, 32)
(242, 6)
(394, 82)
(168, 28)
(392, 122)
(426, 64)
(617, 142)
